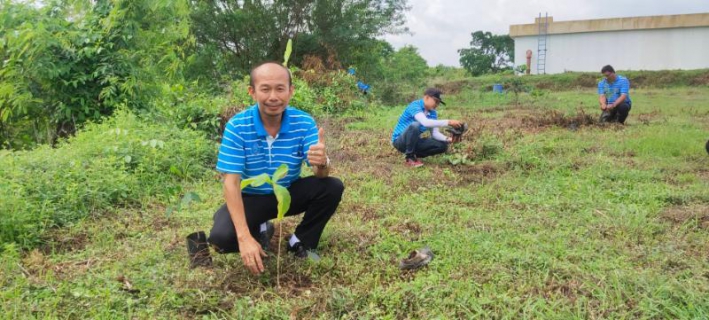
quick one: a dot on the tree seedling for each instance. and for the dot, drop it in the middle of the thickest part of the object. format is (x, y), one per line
(286, 55)
(283, 198)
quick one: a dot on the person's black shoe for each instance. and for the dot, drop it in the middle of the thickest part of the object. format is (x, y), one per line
(302, 252)
(264, 237)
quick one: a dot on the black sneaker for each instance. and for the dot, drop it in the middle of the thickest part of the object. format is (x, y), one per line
(302, 252)
(264, 237)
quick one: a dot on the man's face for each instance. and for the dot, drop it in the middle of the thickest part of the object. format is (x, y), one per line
(610, 76)
(430, 103)
(271, 89)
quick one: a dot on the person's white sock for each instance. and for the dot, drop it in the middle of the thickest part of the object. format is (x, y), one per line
(293, 240)
(264, 227)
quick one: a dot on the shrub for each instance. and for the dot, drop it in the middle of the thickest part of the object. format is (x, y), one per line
(318, 91)
(189, 106)
(116, 163)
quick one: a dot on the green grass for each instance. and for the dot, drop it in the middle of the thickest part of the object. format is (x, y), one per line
(601, 222)
(575, 80)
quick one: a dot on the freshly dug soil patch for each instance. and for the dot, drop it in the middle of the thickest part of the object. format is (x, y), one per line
(679, 215)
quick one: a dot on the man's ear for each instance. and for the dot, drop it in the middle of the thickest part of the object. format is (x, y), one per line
(252, 91)
(292, 89)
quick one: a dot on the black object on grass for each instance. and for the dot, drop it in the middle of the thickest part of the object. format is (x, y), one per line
(458, 132)
(198, 249)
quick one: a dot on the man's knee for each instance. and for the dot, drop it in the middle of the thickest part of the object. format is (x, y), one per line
(221, 212)
(624, 107)
(442, 147)
(222, 237)
(222, 242)
(334, 187)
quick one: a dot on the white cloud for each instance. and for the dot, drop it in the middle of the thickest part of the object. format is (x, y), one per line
(441, 27)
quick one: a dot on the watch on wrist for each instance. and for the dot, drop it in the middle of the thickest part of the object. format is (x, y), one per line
(327, 164)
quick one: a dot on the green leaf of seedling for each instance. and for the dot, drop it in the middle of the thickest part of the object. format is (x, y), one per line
(289, 49)
(169, 211)
(283, 197)
(256, 181)
(175, 171)
(280, 173)
(128, 159)
(189, 197)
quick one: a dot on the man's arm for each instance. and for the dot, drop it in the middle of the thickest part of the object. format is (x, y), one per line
(602, 95)
(321, 172)
(250, 249)
(436, 134)
(430, 123)
(624, 92)
(602, 101)
(618, 101)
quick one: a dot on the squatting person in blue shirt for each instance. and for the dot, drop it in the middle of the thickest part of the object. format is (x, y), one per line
(258, 140)
(419, 117)
(614, 96)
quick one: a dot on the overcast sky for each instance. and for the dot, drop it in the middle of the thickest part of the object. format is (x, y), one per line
(440, 27)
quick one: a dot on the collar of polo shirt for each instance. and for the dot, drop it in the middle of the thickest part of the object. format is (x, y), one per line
(261, 130)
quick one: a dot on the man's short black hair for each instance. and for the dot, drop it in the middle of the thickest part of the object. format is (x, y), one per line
(607, 68)
(251, 81)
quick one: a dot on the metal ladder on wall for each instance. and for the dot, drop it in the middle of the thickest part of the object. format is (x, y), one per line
(543, 25)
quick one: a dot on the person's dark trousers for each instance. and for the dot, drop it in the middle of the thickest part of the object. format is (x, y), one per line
(317, 197)
(413, 146)
(617, 114)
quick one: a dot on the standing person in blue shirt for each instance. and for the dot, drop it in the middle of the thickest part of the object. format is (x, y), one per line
(258, 140)
(614, 96)
(419, 117)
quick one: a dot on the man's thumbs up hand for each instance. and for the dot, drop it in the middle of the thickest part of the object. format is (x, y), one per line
(317, 154)
(321, 136)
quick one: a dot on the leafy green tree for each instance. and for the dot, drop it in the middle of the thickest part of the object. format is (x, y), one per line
(488, 53)
(343, 25)
(406, 64)
(68, 62)
(404, 76)
(234, 35)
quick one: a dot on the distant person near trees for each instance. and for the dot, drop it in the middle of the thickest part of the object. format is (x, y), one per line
(419, 117)
(614, 96)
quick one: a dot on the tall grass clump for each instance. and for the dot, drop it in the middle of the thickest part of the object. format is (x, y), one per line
(115, 163)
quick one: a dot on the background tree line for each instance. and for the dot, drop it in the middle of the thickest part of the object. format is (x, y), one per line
(68, 62)
(488, 53)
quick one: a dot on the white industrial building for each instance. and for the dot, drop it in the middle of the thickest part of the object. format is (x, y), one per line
(635, 43)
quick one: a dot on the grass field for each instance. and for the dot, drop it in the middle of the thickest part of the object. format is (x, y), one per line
(543, 217)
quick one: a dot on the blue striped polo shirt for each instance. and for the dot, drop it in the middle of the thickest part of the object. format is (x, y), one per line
(612, 91)
(407, 118)
(248, 150)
